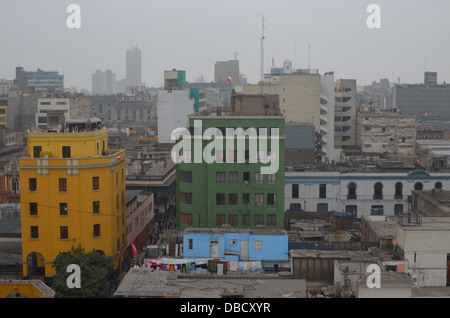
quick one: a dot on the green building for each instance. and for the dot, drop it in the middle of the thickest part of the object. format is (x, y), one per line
(237, 191)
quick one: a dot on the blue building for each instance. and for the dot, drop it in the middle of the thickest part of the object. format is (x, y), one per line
(233, 244)
(40, 80)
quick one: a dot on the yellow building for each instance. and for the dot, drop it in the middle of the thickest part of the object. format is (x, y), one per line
(3, 112)
(72, 192)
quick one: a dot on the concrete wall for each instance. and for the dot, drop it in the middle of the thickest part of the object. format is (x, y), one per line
(426, 252)
(173, 109)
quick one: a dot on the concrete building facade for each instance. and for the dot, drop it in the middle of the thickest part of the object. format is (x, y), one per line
(228, 190)
(386, 132)
(225, 69)
(364, 193)
(345, 113)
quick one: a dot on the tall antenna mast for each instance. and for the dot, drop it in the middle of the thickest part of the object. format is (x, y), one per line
(262, 51)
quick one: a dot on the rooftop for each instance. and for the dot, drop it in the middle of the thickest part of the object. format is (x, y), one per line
(224, 230)
(143, 282)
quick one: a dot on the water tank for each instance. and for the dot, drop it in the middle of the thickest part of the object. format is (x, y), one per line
(152, 251)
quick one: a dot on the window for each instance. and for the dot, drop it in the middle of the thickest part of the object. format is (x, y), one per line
(96, 230)
(322, 191)
(63, 209)
(272, 178)
(246, 219)
(271, 199)
(32, 184)
(186, 197)
(34, 232)
(96, 207)
(378, 191)
(33, 208)
(186, 219)
(62, 185)
(245, 198)
(63, 232)
(259, 178)
(232, 198)
(37, 151)
(220, 198)
(186, 176)
(322, 207)
(271, 220)
(95, 183)
(220, 219)
(15, 188)
(258, 245)
(233, 219)
(351, 195)
(66, 151)
(220, 177)
(377, 210)
(418, 186)
(246, 177)
(295, 191)
(259, 219)
(295, 207)
(438, 185)
(232, 177)
(398, 191)
(259, 198)
(191, 244)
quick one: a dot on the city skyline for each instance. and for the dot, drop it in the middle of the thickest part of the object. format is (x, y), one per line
(325, 35)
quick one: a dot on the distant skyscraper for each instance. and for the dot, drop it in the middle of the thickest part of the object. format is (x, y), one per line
(134, 76)
(103, 82)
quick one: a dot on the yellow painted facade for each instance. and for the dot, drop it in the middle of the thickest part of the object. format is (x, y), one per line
(71, 197)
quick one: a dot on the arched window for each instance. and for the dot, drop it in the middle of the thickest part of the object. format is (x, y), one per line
(418, 186)
(351, 195)
(438, 185)
(398, 191)
(378, 191)
(15, 185)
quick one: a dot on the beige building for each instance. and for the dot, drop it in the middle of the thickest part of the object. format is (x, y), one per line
(299, 96)
(386, 132)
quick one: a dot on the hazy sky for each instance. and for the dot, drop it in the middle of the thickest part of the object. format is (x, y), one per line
(192, 35)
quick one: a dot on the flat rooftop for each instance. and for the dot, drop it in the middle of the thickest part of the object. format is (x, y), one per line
(143, 282)
(224, 230)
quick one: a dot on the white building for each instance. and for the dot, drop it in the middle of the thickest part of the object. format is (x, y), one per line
(173, 108)
(52, 113)
(425, 246)
(362, 193)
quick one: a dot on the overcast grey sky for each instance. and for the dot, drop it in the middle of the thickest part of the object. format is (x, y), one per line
(192, 35)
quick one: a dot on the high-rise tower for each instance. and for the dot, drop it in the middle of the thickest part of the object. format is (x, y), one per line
(134, 67)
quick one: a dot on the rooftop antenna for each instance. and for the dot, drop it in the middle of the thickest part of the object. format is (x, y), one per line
(309, 56)
(262, 51)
